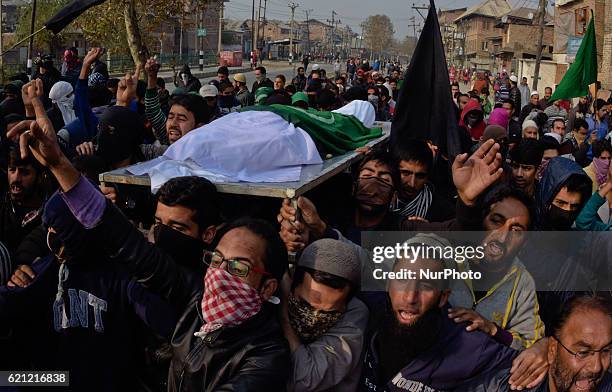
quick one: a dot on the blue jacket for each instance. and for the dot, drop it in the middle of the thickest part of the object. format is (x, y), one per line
(457, 358)
(600, 127)
(84, 127)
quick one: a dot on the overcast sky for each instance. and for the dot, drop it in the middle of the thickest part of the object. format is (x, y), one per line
(353, 12)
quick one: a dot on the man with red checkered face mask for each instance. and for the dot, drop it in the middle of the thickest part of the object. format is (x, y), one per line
(243, 352)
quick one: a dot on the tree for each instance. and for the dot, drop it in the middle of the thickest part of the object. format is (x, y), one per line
(140, 19)
(45, 9)
(378, 31)
(407, 45)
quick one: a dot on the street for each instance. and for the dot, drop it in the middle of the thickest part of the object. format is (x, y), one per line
(273, 69)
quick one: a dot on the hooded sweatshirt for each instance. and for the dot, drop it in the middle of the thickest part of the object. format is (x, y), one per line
(477, 130)
(499, 117)
(573, 265)
(557, 172)
(192, 84)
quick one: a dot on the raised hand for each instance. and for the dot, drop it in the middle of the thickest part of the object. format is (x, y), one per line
(27, 100)
(126, 90)
(33, 89)
(473, 175)
(91, 56)
(151, 68)
(41, 141)
(40, 138)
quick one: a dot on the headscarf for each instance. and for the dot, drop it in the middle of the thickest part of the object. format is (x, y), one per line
(120, 132)
(71, 60)
(62, 95)
(478, 129)
(499, 117)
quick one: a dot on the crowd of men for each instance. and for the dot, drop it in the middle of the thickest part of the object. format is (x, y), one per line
(192, 290)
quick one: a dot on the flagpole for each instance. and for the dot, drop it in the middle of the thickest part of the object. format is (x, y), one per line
(22, 41)
(31, 44)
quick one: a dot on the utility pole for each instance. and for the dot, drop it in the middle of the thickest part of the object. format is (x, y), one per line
(220, 28)
(181, 38)
(265, 22)
(332, 21)
(307, 12)
(536, 71)
(31, 43)
(256, 44)
(418, 9)
(293, 6)
(253, 28)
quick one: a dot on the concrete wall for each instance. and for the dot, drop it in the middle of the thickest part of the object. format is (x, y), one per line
(526, 37)
(548, 71)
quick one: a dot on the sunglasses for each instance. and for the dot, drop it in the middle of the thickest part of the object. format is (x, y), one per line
(235, 267)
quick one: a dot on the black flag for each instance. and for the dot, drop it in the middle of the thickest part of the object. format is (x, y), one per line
(425, 109)
(69, 13)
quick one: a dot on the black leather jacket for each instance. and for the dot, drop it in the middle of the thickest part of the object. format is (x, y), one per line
(253, 356)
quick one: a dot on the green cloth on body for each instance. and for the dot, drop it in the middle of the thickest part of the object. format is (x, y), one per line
(332, 133)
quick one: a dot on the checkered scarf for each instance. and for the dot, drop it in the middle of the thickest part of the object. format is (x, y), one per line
(226, 301)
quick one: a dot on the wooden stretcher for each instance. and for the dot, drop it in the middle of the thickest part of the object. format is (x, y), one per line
(311, 176)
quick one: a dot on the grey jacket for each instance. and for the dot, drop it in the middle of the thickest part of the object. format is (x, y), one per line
(332, 362)
(512, 304)
(245, 98)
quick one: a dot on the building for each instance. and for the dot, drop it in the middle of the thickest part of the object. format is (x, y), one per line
(519, 37)
(10, 14)
(606, 61)
(450, 35)
(571, 20)
(183, 37)
(234, 35)
(476, 26)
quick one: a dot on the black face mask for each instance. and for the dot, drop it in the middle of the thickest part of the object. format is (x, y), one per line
(374, 192)
(185, 250)
(471, 120)
(226, 101)
(559, 219)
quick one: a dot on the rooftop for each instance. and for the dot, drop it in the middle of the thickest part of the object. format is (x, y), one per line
(491, 8)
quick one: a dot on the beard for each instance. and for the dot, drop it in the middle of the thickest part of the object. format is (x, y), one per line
(564, 379)
(422, 331)
(399, 343)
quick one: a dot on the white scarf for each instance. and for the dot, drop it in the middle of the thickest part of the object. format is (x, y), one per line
(62, 95)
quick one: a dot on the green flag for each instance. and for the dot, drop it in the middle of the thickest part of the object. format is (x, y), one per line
(583, 71)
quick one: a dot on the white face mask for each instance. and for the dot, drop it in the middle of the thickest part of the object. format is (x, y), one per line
(185, 78)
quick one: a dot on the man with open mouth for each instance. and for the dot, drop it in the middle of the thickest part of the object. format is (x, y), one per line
(21, 206)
